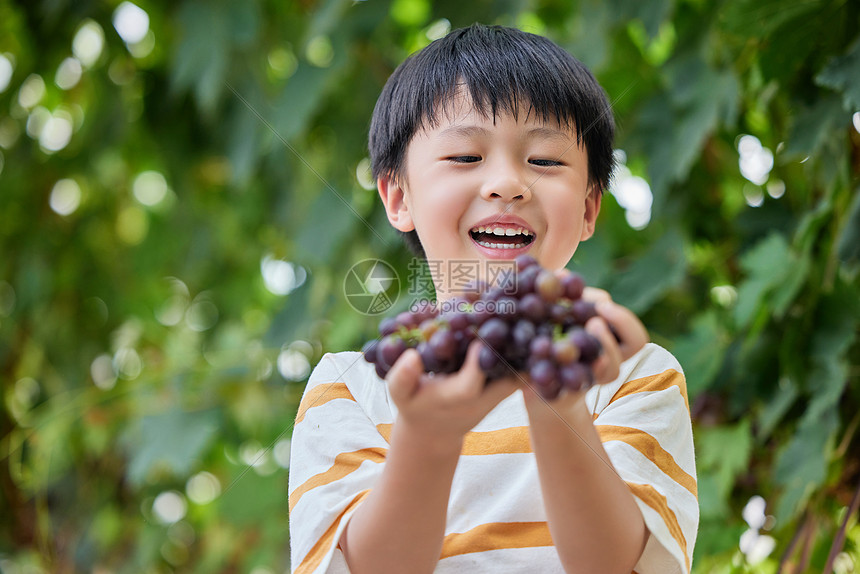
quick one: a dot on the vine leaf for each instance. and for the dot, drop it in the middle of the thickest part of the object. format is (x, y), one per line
(843, 75)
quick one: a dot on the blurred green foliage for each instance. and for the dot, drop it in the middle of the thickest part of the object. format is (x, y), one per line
(180, 203)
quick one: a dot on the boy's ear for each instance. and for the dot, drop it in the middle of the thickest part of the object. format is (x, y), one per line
(592, 209)
(394, 199)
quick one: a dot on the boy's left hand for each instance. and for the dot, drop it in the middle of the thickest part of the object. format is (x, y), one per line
(632, 335)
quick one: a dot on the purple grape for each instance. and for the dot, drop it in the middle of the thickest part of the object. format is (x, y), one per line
(428, 358)
(526, 280)
(548, 286)
(575, 376)
(481, 314)
(369, 350)
(389, 350)
(582, 311)
(537, 330)
(493, 294)
(443, 344)
(541, 347)
(573, 285)
(544, 377)
(543, 372)
(532, 307)
(488, 359)
(457, 320)
(565, 351)
(427, 328)
(508, 307)
(523, 333)
(381, 371)
(494, 333)
(560, 314)
(547, 329)
(589, 346)
(525, 261)
(473, 290)
(387, 326)
(406, 319)
(425, 312)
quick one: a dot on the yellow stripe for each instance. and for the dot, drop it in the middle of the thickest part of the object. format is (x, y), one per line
(318, 552)
(344, 463)
(513, 440)
(647, 494)
(650, 447)
(495, 536)
(660, 382)
(320, 395)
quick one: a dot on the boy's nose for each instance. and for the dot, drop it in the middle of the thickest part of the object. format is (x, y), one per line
(507, 187)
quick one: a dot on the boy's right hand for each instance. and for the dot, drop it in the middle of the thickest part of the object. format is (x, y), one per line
(441, 409)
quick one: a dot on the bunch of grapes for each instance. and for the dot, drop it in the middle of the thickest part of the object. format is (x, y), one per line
(533, 324)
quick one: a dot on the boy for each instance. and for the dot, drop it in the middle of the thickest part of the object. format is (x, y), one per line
(487, 144)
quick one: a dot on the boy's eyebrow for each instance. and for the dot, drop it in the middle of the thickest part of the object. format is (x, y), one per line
(463, 131)
(537, 132)
(549, 133)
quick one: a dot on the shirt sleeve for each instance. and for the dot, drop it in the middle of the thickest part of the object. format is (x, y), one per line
(336, 456)
(644, 423)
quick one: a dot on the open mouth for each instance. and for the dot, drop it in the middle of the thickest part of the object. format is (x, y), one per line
(502, 237)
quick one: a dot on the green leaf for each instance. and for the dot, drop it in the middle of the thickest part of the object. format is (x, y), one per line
(593, 259)
(801, 466)
(843, 75)
(776, 406)
(712, 503)
(760, 18)
(301, 97)
(172, 441)
(330, 221)
(848, 245)
(785, 292)
(203, 53)
(701, 352)
(673, 135)
(244, 18)
(836, 322)
(410, 12)
(767, 264)
(328, 16)
(648, 279)
(292, 318)
(251, 497)
(826, 381)
(652, 14)
(815, 125)
(724, 453)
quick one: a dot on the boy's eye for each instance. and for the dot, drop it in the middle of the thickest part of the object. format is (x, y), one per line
(545, 162)
(464, 158)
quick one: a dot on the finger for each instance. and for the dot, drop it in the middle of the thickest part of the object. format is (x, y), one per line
(632, 335)
(468, 382)
(607, 367)
(405, 375)
(596, 295)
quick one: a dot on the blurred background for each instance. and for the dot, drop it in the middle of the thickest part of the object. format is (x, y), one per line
(184, 187)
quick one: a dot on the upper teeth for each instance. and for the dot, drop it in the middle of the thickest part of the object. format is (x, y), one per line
(502, 230)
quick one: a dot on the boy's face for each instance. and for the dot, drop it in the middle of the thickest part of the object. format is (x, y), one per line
(469, 178)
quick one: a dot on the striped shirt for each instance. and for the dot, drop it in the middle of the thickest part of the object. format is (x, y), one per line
(496, 520)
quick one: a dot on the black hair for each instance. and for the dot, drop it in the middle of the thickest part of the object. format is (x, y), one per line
(503, 69)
